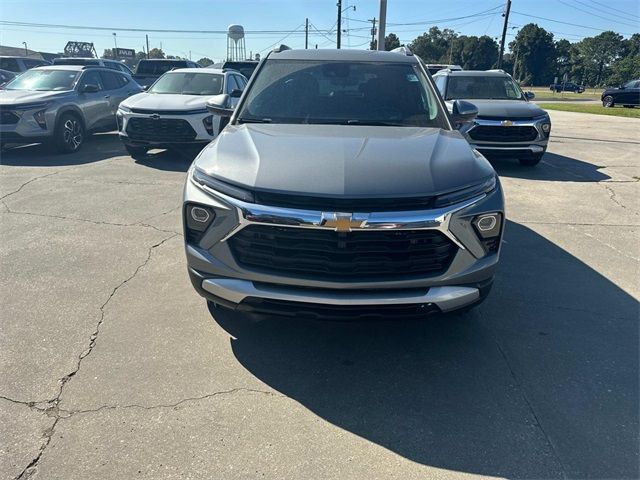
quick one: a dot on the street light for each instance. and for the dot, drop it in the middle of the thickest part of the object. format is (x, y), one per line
(115, 42)
(26, 50)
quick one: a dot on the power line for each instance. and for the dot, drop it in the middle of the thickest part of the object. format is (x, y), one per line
(594, 14)
(564, 23)
(612, 8)
(283, 38)
(452, 19)
(608, 12)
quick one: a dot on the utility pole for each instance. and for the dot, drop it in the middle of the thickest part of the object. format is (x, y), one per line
(373, 32)
(306, 34)
(505, 14)
(339, 32)
(147, 37)
(383, 21)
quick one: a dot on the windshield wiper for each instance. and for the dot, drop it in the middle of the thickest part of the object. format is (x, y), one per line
(254, 120)
(373, 123)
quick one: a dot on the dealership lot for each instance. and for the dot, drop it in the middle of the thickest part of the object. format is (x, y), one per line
(113, 367)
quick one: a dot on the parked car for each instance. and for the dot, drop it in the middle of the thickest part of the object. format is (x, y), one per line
(148, 71)
(435, 68)
(341, 186)
(566, 87)
(627, 95)
(508, 125)
(5, 76)
(62, 104)
(246, 67)
(173, 113)
(20, 64)
(103, 62)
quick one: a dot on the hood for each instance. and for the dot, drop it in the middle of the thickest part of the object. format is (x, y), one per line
(344, 160)
(507, 109)
(156, 101)
(14, 97)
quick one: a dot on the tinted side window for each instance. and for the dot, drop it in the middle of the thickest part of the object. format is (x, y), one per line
(441, 82)
(231, 83)
(242, 82)
(110, 80)
(10, 64)
(92, 78)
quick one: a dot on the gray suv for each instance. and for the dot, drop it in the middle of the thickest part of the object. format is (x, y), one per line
(340, 188)
(62, 104)
(508, 124)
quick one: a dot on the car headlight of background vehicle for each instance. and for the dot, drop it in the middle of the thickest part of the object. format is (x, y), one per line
(466, 193)
(208, 124)
(123, 109)
(39, 118)
(545, 124)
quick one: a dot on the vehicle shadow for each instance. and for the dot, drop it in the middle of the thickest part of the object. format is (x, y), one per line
(167, 160)
(97, 147)
(541, 381)
(553, 167)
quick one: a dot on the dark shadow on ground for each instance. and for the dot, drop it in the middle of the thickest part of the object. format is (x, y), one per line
(553, 167)
(98, 147)
(540, 382)
(168, 160)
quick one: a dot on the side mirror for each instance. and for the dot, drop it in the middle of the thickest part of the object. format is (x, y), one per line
(89, 88)
(236, 93)
(463, 112)
(220, 105)
(529, 95)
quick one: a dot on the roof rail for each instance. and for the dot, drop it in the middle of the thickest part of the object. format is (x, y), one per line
(403, 50)
(281, 48)
(90, 66)
(225, 70)
(496, 70)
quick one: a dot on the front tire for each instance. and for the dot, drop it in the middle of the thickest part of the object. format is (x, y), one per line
(136, 152)
(69, 133)
(608, 101)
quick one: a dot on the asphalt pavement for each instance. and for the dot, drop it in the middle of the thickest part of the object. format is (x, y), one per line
(112, 367)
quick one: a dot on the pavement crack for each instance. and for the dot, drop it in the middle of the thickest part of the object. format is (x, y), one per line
(28, 182)
(528, 402)
(68, 413)
(52, 408)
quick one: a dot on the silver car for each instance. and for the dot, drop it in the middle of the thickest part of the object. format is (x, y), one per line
(341, 188)
(62, 104)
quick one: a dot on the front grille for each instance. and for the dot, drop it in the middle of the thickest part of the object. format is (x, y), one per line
(306, 202)
(150, 111)
(7, 117)
(160, 130)
(490, 133)
(336, 256)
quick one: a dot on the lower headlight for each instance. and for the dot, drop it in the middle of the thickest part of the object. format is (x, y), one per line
(197, 219)
(488, 225)
(546, 127)
(208, 124)
(39, 118)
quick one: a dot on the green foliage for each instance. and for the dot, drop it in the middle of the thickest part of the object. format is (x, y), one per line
(590, 108)
(156, 53)
(534, 55)
(205, 62)
(391, 41)
(473, 53)
(434, 46)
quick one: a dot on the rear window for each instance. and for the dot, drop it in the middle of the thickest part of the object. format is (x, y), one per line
(158, 68)
(10, 64)
(75, 61)
(245, 68)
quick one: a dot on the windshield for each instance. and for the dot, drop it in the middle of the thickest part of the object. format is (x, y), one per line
(44, 80)
(159, 67)
(295, 91)
(188, 84)
(478, 87)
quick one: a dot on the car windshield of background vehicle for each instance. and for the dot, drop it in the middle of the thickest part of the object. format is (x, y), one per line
(44, 80)
(488, 88)
(189, 84)
(344, 93)
(630, 84)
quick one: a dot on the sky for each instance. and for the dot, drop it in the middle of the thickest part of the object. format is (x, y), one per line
(282, 21)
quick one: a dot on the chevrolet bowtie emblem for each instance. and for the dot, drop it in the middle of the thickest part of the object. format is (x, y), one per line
(343, 222)
(155, 116)
(506, 123)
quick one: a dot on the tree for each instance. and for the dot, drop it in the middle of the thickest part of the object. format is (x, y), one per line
(156, 53)
(563, 57)
(434, 46)
(623, 70)
(474, 53)
(391, 41)
(534, 55)
(597, 53)
(108, 53)
(205, 62)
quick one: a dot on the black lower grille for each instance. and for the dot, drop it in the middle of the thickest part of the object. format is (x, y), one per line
(8, 117)
(306, 202)
(488, 133)
(336, 256)
(160, 130)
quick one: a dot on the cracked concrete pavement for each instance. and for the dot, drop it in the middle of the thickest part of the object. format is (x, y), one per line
(112, 367)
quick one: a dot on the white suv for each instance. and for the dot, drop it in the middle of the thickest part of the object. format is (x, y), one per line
(172, 113)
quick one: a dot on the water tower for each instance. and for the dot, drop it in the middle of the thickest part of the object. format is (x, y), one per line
(235, 43)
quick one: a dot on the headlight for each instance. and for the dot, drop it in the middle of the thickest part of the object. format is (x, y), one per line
(124, 108)
(39, 118)
(208, 124)
(546, 127)
(203, 180)
(30, 106)
(466, 193)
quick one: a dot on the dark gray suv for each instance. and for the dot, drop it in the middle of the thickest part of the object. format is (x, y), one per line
(340, 188)
(62, 104)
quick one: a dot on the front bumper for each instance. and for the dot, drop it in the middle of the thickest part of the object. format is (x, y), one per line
(518, 149)
(217, 276)
(26, 129)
